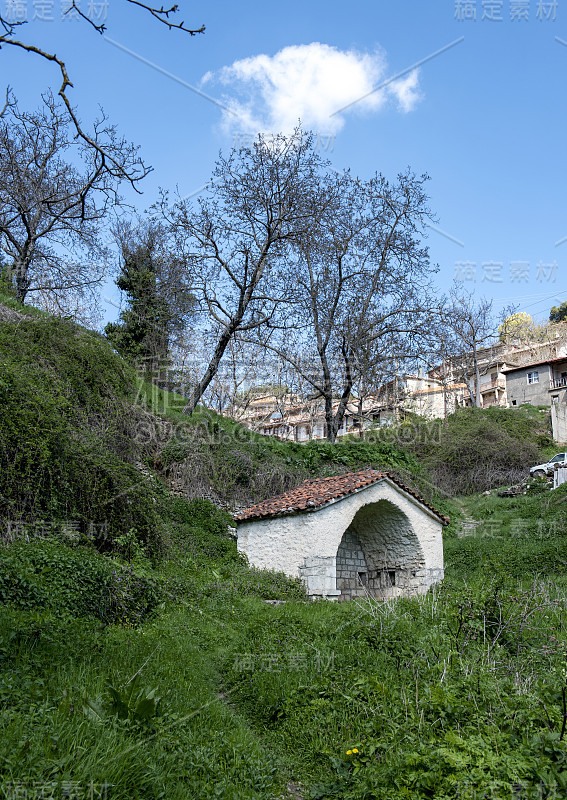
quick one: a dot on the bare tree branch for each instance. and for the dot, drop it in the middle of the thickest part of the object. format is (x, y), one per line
(132, 172)
(162, 15)
(51, 210)
(8, 102)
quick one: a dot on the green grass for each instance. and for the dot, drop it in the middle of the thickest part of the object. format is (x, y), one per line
(146, 660)
(522, 536)
(457, 691)
(9, 300)
(63, 662)
(196, 746)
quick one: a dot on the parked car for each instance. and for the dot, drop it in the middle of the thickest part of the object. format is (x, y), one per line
(541, 470)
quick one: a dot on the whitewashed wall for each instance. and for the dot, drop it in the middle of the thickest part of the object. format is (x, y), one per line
(395, 530)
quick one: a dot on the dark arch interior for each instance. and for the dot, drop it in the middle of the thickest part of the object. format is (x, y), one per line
(379, 553)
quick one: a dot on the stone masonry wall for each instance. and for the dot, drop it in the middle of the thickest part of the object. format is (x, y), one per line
(352, 570)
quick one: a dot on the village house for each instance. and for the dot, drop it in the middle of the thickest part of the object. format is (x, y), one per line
(540, 383)
(425, 394)
(303, 421)
(492, 384)
(291, 420)
(363, 533)
(433, 394)
(496, 361)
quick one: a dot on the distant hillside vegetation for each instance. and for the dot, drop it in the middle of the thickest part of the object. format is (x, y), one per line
(86, 446)
(476, 449)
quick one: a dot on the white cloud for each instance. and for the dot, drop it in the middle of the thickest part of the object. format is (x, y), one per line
(310, 83)
(406, 91)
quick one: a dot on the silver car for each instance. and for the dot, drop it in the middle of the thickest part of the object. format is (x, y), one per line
(543, 470)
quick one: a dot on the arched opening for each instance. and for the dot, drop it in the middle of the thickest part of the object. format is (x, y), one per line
(379, 554)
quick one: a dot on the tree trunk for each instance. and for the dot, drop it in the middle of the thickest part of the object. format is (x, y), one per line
(22, 280)
(330, 431)
(339, 416)
(212, 369)
(347, 388)
(477, 381)
(471, 393)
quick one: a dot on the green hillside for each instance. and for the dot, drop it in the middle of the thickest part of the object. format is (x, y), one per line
(139, 659)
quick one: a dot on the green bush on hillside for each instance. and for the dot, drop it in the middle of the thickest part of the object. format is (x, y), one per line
(66, 436)
(477, 449)
(74, 582)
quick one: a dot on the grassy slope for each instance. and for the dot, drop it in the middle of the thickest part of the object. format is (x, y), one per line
(241, 465)
(523, 535)
(454, 693)
(436, 694)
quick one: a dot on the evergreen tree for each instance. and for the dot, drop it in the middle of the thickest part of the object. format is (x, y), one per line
(159, 301)
(558, 313)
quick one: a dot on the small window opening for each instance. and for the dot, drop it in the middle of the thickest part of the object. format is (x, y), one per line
(391, 577)
(513, 402)
(363, 578)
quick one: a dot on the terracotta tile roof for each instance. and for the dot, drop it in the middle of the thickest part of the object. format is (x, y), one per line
(537, 363)
(314, 494)
(449, 387)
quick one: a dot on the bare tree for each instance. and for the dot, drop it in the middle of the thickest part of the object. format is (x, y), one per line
(131, 170)
(468, 329)
(236, 240)
(362, 277)
(54, 196)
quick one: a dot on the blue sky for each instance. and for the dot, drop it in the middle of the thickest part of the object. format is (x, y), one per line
(485, 118)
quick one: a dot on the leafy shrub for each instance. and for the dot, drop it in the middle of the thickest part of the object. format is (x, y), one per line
(200, 528)
(74, 581)
(478, 449)
(174, 450)
(133, 703)
(201, 543)
(63, 445)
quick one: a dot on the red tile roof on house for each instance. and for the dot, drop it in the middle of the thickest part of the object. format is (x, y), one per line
(314, 494)
(537, 364)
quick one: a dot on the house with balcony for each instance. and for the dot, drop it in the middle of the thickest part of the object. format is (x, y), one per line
(425, 394)
(542, 383)
(492, 383)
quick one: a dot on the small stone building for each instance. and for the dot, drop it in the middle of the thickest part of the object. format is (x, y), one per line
(348, 536)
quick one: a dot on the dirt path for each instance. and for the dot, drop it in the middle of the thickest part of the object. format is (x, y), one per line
(468, 525)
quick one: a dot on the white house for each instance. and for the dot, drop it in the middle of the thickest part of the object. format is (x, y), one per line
(348, 535)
